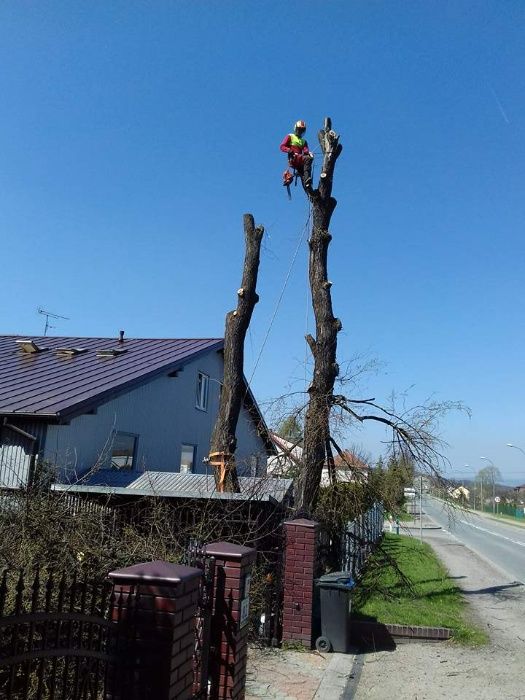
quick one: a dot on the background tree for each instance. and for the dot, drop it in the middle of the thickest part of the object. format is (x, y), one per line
(485, 481)
(291, 429)
(398, 475)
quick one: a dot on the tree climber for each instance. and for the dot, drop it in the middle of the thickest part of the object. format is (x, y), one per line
(299, 156)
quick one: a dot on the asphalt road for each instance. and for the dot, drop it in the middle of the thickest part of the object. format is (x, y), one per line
(501, 544)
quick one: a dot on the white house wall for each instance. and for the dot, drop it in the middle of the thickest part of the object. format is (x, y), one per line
(162, 414)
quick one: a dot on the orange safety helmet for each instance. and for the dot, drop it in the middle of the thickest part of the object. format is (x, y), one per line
(300, 125)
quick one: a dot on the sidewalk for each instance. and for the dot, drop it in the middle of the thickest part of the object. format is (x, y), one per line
(277, 674)
(437, 670)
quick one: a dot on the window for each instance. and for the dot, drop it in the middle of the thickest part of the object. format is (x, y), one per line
(123, 450)
(202, 391)
(187, 459)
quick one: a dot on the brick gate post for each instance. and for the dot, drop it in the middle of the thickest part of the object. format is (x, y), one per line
(300, 564)
(154, 612)
(229, 625)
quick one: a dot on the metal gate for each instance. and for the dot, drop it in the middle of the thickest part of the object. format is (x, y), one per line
(65, 639)
(54, 638)
(197, 557)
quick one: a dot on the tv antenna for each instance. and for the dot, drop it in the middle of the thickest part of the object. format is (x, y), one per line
(48, 315)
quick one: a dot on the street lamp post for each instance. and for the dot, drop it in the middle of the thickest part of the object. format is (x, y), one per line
(493, 484)
(474, 487)
(509, 444)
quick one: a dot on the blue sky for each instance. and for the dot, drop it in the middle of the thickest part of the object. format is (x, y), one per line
(134, 135)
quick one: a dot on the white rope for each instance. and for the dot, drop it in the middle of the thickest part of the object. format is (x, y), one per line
(287, 278)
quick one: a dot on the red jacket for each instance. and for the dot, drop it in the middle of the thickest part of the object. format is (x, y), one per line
(286, 147)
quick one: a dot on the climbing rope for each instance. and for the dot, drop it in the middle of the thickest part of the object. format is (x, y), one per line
(281, 295)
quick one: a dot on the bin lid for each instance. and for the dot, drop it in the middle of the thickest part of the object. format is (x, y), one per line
(336, 579)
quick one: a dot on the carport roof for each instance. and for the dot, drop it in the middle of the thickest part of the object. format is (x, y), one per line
(176, 485)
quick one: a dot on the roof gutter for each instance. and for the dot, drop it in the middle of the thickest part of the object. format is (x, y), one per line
(37, 417)
(18, 430)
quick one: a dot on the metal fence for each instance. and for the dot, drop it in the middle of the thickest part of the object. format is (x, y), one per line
(61, 638)
(359, 538)
(348, 550)
(196, 556)
(267, 617)
(54, 638)
(505, 509)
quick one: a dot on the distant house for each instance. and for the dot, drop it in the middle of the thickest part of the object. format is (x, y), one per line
(127, 405)
(287, 463)
(287, 458)
(461, 493)
(348, 467)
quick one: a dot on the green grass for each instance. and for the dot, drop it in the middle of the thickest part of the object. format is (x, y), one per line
(406, 584)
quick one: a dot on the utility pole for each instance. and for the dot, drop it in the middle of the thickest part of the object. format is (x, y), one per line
(420, 508)
(481, 482)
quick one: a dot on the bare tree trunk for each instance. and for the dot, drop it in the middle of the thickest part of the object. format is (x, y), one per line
(324, 346)
(224, 441)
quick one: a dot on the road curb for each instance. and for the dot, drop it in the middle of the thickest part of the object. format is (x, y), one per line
(354, 677)
(335, 678)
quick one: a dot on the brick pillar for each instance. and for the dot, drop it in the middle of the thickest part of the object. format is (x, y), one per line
(154, 609)
(229, 632)
(300, 566)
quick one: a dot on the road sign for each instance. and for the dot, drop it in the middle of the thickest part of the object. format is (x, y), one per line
(497, 499)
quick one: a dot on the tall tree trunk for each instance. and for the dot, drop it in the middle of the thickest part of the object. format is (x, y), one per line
(224, 441)
(324, 346)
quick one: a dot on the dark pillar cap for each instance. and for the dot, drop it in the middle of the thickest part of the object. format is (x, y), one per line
(227, 550)
(156, 572)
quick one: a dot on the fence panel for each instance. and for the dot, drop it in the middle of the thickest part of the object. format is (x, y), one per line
(54, 638)
(359, 538)
(268, 605)
(196, 556)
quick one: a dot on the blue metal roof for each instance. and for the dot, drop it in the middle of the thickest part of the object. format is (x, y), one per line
(176, 485)
(49, 384)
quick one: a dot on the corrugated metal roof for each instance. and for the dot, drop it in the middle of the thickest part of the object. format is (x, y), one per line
(176, 485)
(50, 384)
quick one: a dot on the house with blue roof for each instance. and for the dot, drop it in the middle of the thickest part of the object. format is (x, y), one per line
(118, 407)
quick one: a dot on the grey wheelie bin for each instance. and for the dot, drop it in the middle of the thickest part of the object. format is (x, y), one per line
(335, 604)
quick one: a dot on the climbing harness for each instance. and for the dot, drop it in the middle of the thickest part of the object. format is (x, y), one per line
(292, 175)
